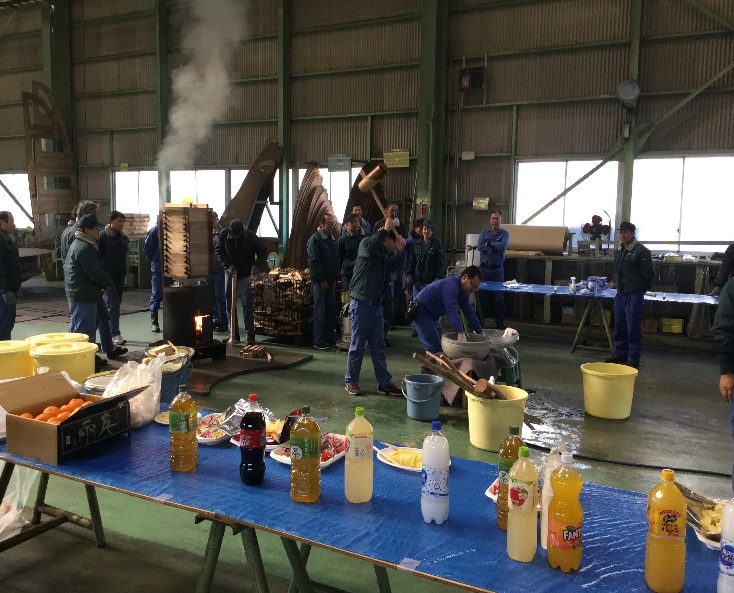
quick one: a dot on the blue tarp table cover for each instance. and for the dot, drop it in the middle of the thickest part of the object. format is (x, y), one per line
(468, 550)
(609, 293)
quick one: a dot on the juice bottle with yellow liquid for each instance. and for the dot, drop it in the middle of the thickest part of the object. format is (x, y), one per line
(565, 516)
(182, 421)
(665, 554)
(522, 518)
(507, 456)
(358, 462)
(305, 458)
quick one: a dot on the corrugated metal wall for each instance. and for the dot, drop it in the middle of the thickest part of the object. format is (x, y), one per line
(355, 85)
(21, 61)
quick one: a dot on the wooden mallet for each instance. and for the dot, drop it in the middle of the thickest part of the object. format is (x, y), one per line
(368, 183)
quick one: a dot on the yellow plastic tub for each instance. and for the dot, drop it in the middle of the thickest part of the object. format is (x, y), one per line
(608, 389)
(15, 360)
(76, 358)
(490, 419)
(57, 338)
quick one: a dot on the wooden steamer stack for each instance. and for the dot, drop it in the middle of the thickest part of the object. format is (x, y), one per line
(186, 240)
(283, 303)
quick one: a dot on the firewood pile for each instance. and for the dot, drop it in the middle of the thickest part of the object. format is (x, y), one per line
(187, 240)
(283, 303)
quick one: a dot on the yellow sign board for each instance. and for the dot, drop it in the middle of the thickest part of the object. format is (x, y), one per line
(396, 159)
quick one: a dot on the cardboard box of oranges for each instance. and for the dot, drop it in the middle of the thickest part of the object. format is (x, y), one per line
(49, 421)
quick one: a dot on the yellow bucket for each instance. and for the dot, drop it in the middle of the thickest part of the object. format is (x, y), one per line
(608, 389)
(490, 419)
(57, 338)
(76, 358)
(15, 360)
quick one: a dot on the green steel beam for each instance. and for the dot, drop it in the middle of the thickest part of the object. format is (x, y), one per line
(374, 68)
(105, 130)
(513, 166)
(253, 79)
(11, 104)
(103, 94)
(21, 69)
(633, 72)
(245, 122)
(118, 56)
(163, 87)
(56, 43)
(245, 39)
(284, 23)
(542, 50)
(356, 115)
(411, 16)
(701, 7)
(432, 109)
(118, 18)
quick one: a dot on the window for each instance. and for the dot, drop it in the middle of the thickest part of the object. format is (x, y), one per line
(266, 228)
(137, 192)
(17, 183)
(541, 181)
(204, 186)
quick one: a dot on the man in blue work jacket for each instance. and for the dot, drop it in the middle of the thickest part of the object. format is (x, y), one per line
(378, 256)
(427, 260)
(152, 250)
(323, 262)
(635, 276)
(446, 297)
(492, 245)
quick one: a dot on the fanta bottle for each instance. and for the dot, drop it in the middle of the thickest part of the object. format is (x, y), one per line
(565, 516)
(665, 554)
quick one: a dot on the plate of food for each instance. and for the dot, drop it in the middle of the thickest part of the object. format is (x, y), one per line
(272, 434)
(162, 418)
(209, 431)
(406, 458)
(333, 448)
(704, 516)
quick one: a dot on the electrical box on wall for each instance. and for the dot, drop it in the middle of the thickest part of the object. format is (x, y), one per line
(471, 79)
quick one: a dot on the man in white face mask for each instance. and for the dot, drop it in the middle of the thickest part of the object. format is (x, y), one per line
(393, 288)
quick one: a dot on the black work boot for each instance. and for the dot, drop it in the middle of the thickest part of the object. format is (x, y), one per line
(154, 327)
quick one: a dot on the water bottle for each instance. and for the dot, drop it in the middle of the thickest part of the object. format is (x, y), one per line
(252, 444)
(726, 559)
(572, 284)
(358, 462)
(435, 476)
(182, 421)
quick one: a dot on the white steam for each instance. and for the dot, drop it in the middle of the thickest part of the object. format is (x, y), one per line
(200, 88)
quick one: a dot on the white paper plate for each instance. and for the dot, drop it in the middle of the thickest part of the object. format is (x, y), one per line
(277, 454)
(212, 441)
(710, 544)
(162, 418)
(387, 461)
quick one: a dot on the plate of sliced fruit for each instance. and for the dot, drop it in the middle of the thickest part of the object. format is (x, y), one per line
(406, 458)
(333, 448)
(208, 431)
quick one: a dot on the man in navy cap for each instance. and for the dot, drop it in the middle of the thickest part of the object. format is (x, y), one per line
(635, 275)
(238, 249)
(85, 281)
(492, 244)
(323, 262)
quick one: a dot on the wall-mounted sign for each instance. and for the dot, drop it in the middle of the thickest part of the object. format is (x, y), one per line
(124, 166)
(396, 159)
(480, 203)
(468, 155)
(340, 162)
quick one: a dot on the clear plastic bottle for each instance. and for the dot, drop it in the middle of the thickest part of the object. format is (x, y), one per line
(507, 457)
(182, 421)
(305, 446)
(552, 462)
(565, 516)
(665, 553)
(252, 444)
(358, 462)
(522, 518)
(726, 558)
(435, 476)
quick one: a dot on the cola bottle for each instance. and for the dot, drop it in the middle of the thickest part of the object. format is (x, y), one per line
(252, 444)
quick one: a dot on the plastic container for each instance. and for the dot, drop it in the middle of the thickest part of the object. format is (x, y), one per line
(725, 582)
(359, 460)
(15, 359)
(665, 552)
(423, 396)
(76, 358)
(252, 444)
(56, 338)
(507, 458)
(171, 381)
(435, 477)
(182, 422)
(490, 419)
(522, 519)
(305, 458)
(565, 517)
(608, 389)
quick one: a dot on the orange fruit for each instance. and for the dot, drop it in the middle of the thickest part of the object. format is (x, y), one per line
(76, 403)
(86, 404)
(53, 420)
(43, 417)
(65, 408)
(52, 410)
(26, 415)
(63, 416)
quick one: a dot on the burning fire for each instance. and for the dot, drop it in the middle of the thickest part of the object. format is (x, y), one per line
(199, 325)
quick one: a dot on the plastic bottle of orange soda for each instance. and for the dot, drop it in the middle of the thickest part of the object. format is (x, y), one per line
(305, 458)
(665, 554)
(565, 517)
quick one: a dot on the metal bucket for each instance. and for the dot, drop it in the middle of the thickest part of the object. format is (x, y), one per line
(423, 395)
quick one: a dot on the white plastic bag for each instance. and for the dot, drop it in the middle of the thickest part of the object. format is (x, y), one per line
(11, 507)
(146, 405)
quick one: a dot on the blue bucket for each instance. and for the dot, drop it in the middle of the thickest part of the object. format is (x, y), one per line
(423, 395)
(170, 382)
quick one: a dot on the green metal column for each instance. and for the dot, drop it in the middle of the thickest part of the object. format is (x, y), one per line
(633, 71)
(56, 36)
(432, 108)
(284, 115)
(163, 87)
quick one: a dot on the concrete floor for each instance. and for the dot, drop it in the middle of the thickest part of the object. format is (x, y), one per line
(678, 420)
